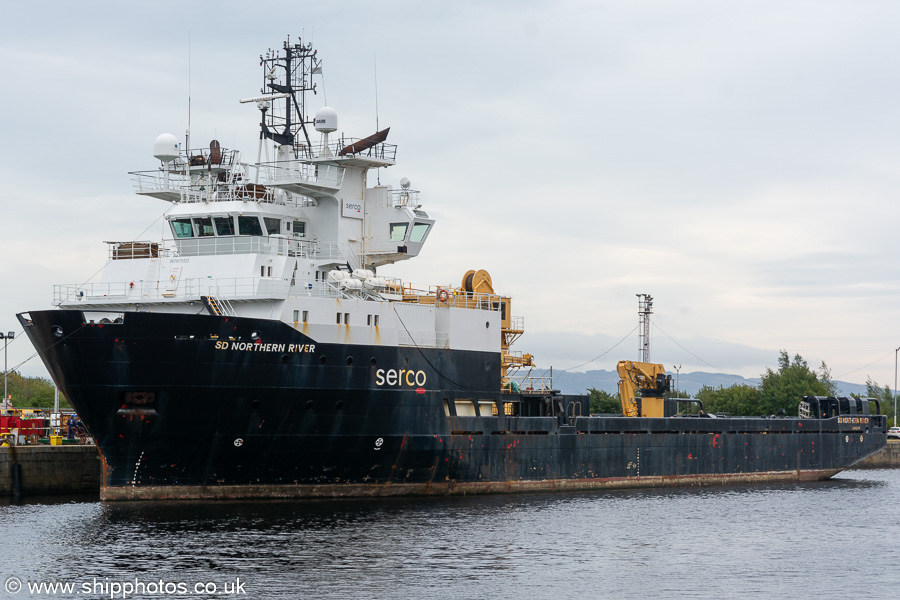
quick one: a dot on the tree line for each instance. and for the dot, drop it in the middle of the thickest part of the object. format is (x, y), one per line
(32, 392)
(778, 390)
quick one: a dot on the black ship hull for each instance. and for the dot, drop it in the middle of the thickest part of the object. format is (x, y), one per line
(197, 406)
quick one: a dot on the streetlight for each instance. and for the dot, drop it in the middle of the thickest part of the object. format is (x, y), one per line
(677, 373)
(6, 339)
(895, 386)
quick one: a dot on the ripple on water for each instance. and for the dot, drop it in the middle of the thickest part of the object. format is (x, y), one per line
(828, 539)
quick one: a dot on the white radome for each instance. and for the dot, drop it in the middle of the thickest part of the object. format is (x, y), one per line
(326, 120)
(166, 147)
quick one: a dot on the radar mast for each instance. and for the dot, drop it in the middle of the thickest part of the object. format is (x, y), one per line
(287, 77)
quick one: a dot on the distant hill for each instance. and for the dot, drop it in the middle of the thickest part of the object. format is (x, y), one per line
(608, 381)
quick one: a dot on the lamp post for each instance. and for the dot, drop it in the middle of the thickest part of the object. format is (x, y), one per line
(6, 338)
(677, 373)
(895, 386)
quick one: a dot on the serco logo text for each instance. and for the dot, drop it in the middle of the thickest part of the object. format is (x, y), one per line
(402, 377)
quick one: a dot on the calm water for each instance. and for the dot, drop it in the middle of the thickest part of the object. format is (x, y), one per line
(836, 539)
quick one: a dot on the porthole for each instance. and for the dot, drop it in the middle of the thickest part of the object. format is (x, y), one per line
(286, 358)
(487, 324)
(254, 404)
(322, 359)
(309, 404)
(339, 405)
(254, 335)
(372, 361)
(349, 360)
(57, 330)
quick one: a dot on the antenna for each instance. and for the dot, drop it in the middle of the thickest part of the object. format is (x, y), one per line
(187, 136)
(645, 309)
(285, 122)
(375, 68)
(375, 63)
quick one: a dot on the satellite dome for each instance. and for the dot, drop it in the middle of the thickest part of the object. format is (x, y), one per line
(326, 120)
(404, 183)
(166, 147)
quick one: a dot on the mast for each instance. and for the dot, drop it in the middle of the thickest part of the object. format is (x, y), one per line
(283, 122)
(645, 309)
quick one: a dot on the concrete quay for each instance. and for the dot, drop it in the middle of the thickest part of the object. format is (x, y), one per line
(889, 458)
(37, 470)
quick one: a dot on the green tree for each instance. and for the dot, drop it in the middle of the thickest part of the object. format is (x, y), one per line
(827, 381)
(738, 399)
(783, 389)
(873, 390)
(604, 402)
(885, 398)
(32, 392)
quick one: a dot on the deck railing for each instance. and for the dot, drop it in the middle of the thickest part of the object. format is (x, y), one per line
(235, 289)
(238, 244)
(180, 290)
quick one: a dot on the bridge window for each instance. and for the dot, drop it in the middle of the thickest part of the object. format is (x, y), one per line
(249, 226)
(273, 226)
(419, 231)
(224, 225)
(398, 231)
(182, 228)
(299, 228)
(204, 226)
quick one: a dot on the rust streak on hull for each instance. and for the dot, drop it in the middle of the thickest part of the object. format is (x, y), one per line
(350, 490)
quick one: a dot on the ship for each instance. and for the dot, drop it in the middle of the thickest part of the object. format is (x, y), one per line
(261, 349)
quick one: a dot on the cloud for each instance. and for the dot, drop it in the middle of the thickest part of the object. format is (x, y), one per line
(739, 163)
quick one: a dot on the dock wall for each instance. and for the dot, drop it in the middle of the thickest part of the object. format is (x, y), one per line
(889, 458)
(49, 469)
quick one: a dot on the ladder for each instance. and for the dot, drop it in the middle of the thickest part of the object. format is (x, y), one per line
(217, 307)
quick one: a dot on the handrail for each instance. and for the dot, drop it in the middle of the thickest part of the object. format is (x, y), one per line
(134, 292)
(282, 171)
(233, 244)
(380, 151)
(530, 383)
(225, 291)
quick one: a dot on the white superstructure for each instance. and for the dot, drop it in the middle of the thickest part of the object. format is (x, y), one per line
(299, 238)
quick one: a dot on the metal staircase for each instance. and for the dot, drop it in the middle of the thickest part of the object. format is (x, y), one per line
(217, 307)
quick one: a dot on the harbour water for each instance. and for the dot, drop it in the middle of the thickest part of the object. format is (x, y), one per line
(833, 539)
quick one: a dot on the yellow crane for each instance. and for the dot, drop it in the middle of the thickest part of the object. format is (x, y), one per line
(641, 388)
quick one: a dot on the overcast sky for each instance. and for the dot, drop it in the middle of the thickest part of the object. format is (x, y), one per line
(740, 161)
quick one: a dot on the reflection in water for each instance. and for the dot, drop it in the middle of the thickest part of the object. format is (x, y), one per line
(708, 542)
